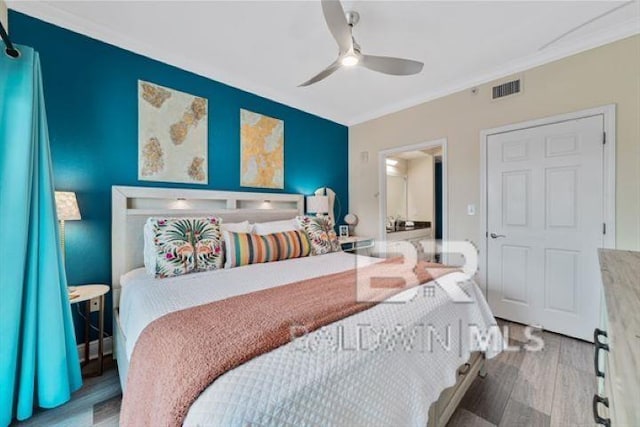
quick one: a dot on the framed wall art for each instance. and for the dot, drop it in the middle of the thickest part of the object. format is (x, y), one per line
(172, 135)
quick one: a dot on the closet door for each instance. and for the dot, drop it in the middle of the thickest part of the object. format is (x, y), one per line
(545, 223)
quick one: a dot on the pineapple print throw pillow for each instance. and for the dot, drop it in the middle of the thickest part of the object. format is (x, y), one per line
(184, 245)
(319, 230)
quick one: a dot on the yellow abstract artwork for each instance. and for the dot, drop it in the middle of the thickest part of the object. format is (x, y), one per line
(261, 151)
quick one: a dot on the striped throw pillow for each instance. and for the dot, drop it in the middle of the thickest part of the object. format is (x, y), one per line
(246, 248)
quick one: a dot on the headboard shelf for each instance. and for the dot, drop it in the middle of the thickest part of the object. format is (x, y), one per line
(209, 212)
(132, 206)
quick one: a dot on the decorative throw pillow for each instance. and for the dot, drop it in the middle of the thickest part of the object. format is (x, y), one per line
(185, 245)
(275, 226)
(237, 227)
(245, 248)
(149, 249)
(319, 230)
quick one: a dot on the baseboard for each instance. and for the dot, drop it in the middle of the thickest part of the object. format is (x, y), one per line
(93, 348)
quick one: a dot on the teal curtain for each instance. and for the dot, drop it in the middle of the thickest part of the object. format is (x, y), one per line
(39, 364)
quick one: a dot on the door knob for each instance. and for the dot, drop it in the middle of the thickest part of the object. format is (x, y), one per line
(496, 236)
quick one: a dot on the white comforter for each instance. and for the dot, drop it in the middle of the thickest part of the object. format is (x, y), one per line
(383, 366)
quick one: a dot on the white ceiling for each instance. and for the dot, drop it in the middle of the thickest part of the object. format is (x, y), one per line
(268, 47)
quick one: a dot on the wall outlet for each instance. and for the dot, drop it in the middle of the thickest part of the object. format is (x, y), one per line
(94, 305)
(471, 209)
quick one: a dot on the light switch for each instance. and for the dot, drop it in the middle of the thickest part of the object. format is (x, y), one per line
(471, 209)
(364, 156)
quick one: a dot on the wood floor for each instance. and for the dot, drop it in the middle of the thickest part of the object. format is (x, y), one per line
(553, 387)
(97, 403)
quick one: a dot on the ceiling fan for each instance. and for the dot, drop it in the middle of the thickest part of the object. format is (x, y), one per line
(349, 54)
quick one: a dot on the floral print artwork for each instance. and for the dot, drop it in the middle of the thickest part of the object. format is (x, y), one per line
(187, 245)
(320, 232)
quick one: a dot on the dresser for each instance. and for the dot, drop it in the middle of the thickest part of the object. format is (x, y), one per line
(617, 341)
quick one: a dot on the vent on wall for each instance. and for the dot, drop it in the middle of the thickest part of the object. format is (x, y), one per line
(506, 89)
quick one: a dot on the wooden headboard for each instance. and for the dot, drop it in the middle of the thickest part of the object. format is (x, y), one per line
(131, 206)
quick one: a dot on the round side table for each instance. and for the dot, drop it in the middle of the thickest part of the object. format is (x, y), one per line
(85, 294)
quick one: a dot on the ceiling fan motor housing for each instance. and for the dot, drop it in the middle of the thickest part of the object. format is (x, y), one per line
(353, 18)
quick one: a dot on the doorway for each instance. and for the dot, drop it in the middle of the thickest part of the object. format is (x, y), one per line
(413, 196)
(548, 202)
(438, 198)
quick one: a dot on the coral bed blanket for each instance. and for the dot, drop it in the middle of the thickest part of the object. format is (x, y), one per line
(180, 354)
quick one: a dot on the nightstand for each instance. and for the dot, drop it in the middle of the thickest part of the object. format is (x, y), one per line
(355, 243)
(87, 294)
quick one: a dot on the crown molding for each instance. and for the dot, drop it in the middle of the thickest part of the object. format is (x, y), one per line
(49, 13)
(591, 41)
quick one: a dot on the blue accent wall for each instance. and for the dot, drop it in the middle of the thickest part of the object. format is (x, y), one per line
(90, 92)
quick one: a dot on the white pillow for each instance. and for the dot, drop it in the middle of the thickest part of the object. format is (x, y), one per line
(275, 226)
(227, 244)
(237, 227)
(149, 249)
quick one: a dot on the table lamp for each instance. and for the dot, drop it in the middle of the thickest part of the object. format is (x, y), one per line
(67, 210)
(318, 205)
(351, 220)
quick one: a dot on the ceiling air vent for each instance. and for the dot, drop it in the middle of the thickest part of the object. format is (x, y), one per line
(506, 89)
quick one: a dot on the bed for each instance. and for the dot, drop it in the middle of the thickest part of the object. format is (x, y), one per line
(287, 386)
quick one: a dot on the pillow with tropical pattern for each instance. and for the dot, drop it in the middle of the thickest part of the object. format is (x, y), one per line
(186, 245)
(319, 230)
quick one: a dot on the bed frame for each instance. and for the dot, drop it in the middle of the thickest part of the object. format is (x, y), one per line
(131, 206)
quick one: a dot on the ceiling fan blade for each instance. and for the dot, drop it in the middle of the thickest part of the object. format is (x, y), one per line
(337, 23)
(322, 74)
(389, 65)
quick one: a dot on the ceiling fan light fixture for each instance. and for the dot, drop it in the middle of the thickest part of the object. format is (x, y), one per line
(349, 60)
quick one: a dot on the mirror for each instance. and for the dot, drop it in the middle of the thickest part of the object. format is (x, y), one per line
(397, 196)
(412, 182)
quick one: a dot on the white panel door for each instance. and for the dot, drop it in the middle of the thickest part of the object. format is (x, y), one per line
(545, 223)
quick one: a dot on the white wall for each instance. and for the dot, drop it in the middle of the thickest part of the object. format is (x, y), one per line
(605, 75)
(4, 15)
(420, 189)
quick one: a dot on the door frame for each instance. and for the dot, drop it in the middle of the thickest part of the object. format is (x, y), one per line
(609, 175)
(382, 182)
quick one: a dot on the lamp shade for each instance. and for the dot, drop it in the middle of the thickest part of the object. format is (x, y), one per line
(351, 219)
(318, 204)
(67, 206)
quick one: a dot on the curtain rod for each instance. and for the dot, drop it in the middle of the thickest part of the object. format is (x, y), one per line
(10, 50)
